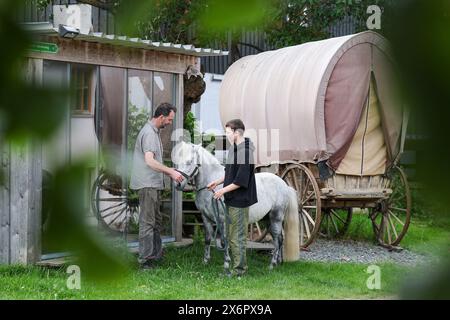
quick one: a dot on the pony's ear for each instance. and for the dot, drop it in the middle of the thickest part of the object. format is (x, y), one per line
(197, 148)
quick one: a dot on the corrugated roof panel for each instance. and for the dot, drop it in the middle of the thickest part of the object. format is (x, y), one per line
(46, 28)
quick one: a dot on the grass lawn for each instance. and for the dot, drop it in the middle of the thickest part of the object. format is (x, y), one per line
(183, 276)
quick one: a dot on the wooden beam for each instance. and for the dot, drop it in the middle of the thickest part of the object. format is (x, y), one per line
(78, 51)
(178, 195)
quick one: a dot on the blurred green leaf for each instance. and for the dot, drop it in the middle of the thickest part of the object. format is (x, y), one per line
(221, 16)
(26, 109)
(68, 231)
(131, 12)
(418, 31)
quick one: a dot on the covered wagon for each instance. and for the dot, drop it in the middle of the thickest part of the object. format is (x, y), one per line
(326, 117)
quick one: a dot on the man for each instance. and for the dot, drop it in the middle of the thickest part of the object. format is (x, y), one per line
(239, 191)
(148, 178)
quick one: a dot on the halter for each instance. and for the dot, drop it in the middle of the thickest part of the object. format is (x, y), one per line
(192, 175)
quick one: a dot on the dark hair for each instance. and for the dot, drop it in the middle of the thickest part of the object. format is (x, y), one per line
(236, 124)
(164, 109)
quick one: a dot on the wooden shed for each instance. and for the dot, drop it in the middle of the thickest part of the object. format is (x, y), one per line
(115, 78)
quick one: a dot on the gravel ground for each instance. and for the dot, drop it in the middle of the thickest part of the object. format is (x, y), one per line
(360, 252)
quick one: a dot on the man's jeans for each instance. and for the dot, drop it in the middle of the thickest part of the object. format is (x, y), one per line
(150, 226)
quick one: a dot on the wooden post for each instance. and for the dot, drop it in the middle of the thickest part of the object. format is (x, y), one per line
(178, 195)
(25, 203)
(21, 193)
(4, 203)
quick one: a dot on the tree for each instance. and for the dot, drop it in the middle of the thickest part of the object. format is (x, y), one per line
(220, 23)
(300, 21)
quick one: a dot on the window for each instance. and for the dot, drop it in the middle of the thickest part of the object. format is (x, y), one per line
(140, 98)
(83, 82)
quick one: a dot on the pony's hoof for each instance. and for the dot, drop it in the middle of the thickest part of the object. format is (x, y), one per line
(226, 266)
(271, 267)
(205, 261)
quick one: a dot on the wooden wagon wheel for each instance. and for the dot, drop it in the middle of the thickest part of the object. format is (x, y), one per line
(303, 181)
(256, 232)
(390, 220)
(335, 222)
(116, 208)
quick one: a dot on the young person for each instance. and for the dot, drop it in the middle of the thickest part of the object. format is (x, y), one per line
(239, 191)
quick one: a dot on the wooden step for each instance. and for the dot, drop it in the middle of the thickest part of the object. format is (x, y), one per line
(191, 211)
(192, 224)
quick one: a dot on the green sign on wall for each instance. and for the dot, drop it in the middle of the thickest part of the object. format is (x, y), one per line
(44, 47)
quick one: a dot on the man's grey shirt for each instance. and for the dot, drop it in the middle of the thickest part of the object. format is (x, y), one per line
(142, 175)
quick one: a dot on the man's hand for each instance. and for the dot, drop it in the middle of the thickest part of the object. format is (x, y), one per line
(176, 176)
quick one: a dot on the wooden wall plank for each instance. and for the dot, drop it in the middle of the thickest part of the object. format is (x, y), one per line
(4, 204)
(25, 206)
(25, 192)
(177, 224)
(34, 229)
(19, 195)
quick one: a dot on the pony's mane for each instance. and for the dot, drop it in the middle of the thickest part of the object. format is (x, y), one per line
(209, 157)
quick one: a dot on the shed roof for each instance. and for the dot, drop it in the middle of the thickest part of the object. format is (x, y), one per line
(46, 28)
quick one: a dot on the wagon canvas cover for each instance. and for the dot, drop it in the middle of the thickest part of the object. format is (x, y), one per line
(331, 100)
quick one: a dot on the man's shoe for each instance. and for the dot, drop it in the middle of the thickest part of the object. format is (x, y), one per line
(147, 265)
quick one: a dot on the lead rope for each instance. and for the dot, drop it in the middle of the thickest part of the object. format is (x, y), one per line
(216, 212)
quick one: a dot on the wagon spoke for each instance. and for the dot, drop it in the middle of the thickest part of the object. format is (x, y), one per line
(308, 198)
(393, 227)
(388, 231)
(399, 209)
(290, 180)
(295, 184)
(125, 218)
(328, 224)
(396, 198)
(397, 218)
(339, 223)
(305, 190)
(309, 217)
(111, 213)
(112, 207)
(334, 223)
(134, 214)
(257, 227)
(302, 230)
(305, 223)
(111, 199)
(118, 215)
(259, 234)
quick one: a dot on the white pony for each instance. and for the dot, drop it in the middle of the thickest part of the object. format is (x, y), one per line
(275, 197)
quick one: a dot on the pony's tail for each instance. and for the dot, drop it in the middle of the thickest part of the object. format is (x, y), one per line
(291, 245)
